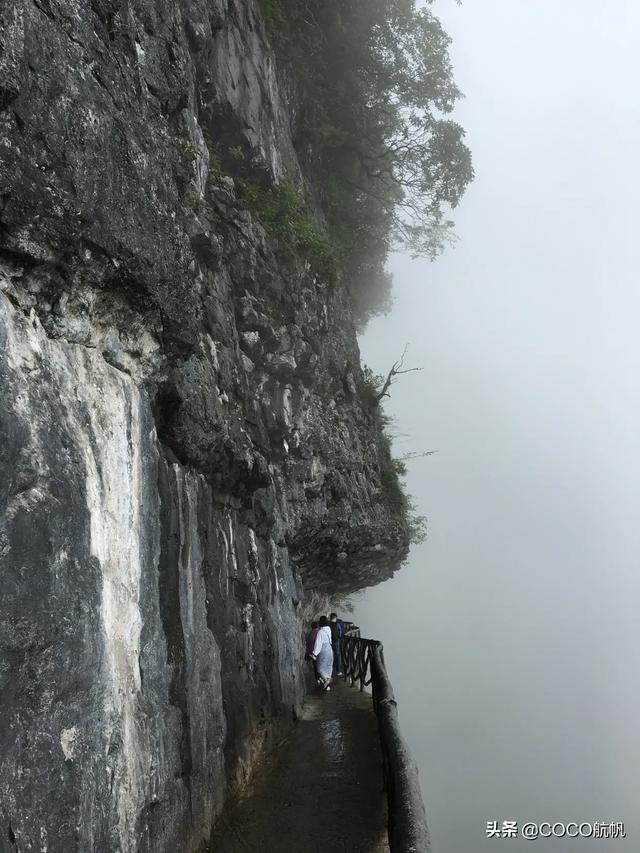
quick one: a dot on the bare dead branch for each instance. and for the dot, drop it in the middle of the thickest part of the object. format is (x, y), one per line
(396, 370)
(415, 455)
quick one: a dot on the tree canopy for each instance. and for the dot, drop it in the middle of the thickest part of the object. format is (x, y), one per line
(377, 90)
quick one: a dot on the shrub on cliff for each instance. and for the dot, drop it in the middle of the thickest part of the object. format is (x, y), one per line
(392, 469)
(284, 213)
(392, 474)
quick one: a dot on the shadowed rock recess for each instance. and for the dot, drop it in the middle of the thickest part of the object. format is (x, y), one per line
(183, 444)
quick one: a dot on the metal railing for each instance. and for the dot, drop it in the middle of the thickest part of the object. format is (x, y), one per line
(363, 663)
(357, 656)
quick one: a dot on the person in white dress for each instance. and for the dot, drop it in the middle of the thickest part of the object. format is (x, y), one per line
(323, 653)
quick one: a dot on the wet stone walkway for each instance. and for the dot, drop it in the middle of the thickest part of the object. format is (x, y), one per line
(322, 789)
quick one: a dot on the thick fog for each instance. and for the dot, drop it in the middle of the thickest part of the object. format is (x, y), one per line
(512, 635)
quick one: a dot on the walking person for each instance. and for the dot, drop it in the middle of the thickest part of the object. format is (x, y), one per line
(337, 633)
(323, 653)
(310, 643)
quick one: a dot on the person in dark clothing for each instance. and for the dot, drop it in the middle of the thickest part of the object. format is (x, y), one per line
(310, 642)
(337, 632)
(311, 637)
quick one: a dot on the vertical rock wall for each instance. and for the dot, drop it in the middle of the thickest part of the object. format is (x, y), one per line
(183, 440)
(141, 623)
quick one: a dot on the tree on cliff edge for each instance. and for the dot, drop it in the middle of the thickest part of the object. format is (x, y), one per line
(378, 87)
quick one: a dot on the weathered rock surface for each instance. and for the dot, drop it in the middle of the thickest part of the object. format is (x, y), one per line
(183, 447)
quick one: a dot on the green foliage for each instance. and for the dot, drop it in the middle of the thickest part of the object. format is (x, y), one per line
(393, 486)
(370, 387)
(417, 525)
(195, 203)
(285, 215)
(377, 86)
(236, 153)
(392, 472)
(215, 166)
(400, 467)
(389, 473)
(188, 147)
(281, 208)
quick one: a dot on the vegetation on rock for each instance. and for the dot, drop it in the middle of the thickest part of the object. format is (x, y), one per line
(392, 470)
(386, 163)
(377, 87)
(285, 215)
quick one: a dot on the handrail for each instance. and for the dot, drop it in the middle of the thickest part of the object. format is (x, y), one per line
(363, 662)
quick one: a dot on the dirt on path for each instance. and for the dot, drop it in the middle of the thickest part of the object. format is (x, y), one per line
(320, 791)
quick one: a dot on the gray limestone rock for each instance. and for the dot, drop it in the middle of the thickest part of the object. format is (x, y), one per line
(183, 447)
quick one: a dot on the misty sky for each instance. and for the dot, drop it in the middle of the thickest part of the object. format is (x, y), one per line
(515, 661)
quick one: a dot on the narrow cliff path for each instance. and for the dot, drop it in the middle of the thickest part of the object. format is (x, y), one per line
(322, 790)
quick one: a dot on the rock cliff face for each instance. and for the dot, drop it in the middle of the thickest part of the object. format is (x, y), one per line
(183, 445)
